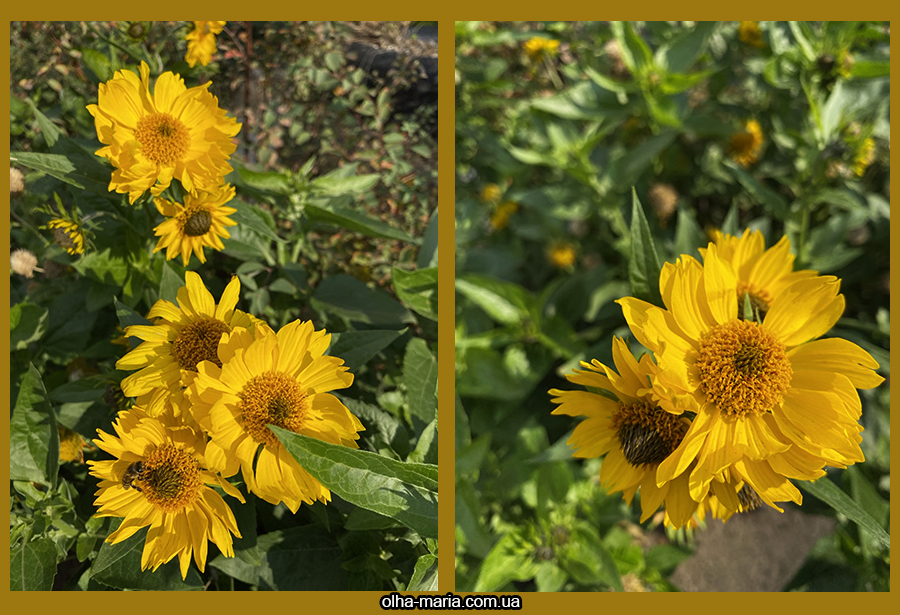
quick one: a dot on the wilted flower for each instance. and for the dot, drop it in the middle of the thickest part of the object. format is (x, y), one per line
(23, 262)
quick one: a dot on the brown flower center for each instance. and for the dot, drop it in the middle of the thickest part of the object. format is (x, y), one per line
(743, 368)
(199, 341)
(163, 138)
(748, 498)
(170, 478)
(197, 223)
(272, 398)
(647, 434)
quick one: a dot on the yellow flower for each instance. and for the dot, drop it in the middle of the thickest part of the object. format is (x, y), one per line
(183, 335)
(538, 46)
(634, 431)
(762, 274)
(281, 379)
(501, 215)
(200, 222)
(202, 42)
(561, 254)
(771, 401)
(864, 157)
(749, 33)
(71, 445)
(746, 145)
(173, 133)
(491, 193)
(67, 234)
(160, 478)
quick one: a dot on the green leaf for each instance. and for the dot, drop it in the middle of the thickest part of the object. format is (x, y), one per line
(730, 225)
(50, 130)
(296, 559)
(354, 220)
(687, 47)
(628, 169)
(382, 428)
(32, 565)
(255, 218)
(418, 290)
(866, 69)
(463, 433)
(635, 51)
(269, 181)
(425, 575)
(507, 561)
(339, 182)
(773, 202)
(357, 347)
(127, 316)
(470, 457)
(428, 252)
(98, 63)
(869, 499)
(351, 299)
(832, 495)
(33, 436)
(420, 376)
(406, 492)
(588, 561)
(504, 302)
(54, 165)
(170, 283)
(119, 565)
(27, 324)
(688, 234)
(644, 267)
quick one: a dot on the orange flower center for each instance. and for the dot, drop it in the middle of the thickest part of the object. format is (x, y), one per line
(743, 368)
(199, 341)
(164, 139)
(272, 398)
(647, 434)
(170, 478)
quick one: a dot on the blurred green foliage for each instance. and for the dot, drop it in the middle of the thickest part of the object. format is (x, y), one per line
(781, 127)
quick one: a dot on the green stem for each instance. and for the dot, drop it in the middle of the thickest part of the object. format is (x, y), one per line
(802, 248)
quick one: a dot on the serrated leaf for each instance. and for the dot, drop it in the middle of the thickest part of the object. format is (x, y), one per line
(354, 220)
(420, 376)
(832, 495)
(644, 266)
(254, 218)
(32, 565)
(50, 130)
(119, 565)
(27, 324)
(33, 436)
(357, 347)
(418, 290)
(391, 431)
(406, 492)
(55, 165)
(425, 575)
(348, 297)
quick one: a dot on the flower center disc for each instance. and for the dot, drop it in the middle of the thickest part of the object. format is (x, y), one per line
(272, 398)
(748, 498)
(199, 341)
(164, 139)
(743, 368)
(647, 434)
(197, 223)
(171, 478)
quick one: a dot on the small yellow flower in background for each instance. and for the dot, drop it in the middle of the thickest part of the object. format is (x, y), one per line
(68, 235)
(561, 254)
(491, 193)
(281, 379)
(771, 401)
(501, 215)
(202, 42)
(746, 145)
(198, 223)
(151, 139)
(23, 262)
(183, 335)
(160, 478)
(538, 46)
(71, 445)
(750, 33)
(865, 156)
